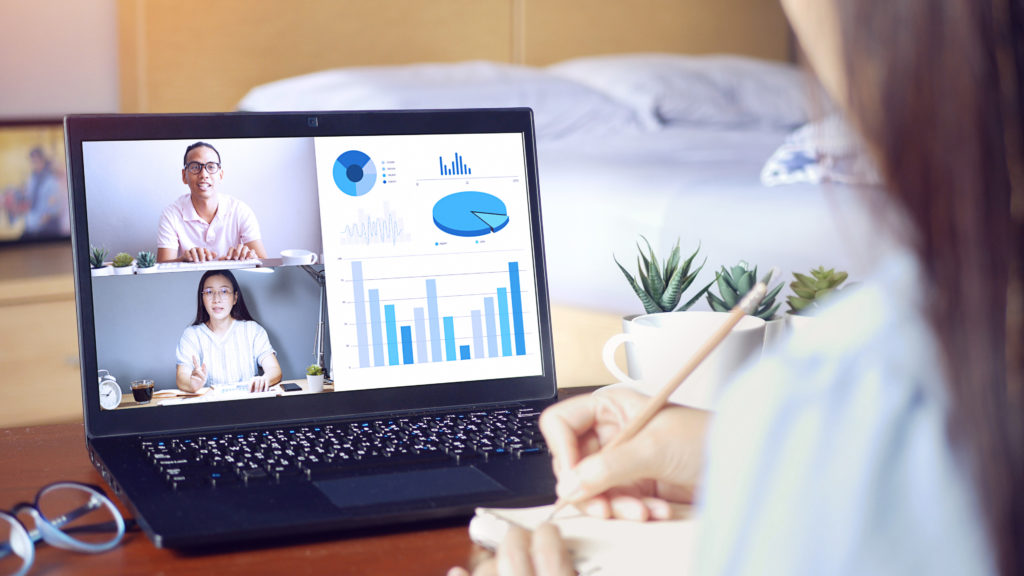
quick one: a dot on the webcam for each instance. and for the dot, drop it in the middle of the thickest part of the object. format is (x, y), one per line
(312, 121)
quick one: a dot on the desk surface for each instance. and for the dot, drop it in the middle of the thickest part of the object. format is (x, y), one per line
(32, 457)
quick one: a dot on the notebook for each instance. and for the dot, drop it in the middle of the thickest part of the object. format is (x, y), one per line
(399, 251)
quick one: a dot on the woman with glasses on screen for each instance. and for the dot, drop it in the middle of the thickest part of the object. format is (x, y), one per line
(224, 347)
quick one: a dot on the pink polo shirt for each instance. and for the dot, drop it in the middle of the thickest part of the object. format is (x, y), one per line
(183, 229)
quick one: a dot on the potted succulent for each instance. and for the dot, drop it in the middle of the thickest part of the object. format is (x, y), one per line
(97, 261)
(734, 283)
(659, 288)
(314, 378)
(810, 291)
(123, 263)
(146, 262)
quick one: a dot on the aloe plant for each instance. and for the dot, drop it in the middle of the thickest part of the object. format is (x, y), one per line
(146, 259)
(123, 259)
(660, 289)
(734, 283)
(810, 291)
(97, 256)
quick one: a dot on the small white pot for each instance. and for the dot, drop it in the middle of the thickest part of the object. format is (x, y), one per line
(123, 270)
(149, 270)
(105, 270)
(315, 384)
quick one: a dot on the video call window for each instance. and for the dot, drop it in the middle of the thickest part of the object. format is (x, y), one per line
(388, 260)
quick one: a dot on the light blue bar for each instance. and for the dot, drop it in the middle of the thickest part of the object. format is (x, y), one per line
(421, 334)
(406, 344)
(360, 302)
(506, 338)
(449, 337)
(433, 321)
(392, 328)
(378, 340)
(464, 352)
(478, 334)
(492, 334)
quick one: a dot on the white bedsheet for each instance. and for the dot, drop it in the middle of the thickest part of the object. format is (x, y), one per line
(696, 184)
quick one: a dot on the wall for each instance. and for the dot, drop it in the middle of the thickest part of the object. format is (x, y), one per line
(58, 57)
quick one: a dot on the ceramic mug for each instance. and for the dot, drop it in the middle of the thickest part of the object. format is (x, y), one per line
(664, 342)
(296, 257)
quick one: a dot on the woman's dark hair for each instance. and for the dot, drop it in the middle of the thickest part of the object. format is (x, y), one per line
(238, 311)
(934, 86)
(195, 145)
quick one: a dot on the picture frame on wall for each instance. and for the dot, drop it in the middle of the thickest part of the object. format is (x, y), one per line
(33, 181)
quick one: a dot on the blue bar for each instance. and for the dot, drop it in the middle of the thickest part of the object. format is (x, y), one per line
(492, 334)
(464, 352)
(406, 345)
(357, 290)
(458, 159)
(432, 320)
(389, 321)
(449, 337)
(517, 307)
(506, 339)
(378, 341)
(468, 170)
(421, 334)
(440, 162)
(478, 334)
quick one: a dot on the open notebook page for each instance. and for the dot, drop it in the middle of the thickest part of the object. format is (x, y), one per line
(601, 547)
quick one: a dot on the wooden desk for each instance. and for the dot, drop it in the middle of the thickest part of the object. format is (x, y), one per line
(128, 400)
(35, 456)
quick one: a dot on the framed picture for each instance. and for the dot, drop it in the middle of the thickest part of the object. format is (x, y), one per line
(33, 182)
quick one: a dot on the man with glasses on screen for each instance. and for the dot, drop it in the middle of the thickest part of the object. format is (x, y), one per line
(205, 225)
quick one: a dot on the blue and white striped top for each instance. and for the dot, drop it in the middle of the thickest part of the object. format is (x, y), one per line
(230, 359)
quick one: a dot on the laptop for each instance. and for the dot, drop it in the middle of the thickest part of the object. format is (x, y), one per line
(399, 251)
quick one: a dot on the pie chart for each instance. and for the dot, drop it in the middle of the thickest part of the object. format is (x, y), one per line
(354, 173)
(470, 214)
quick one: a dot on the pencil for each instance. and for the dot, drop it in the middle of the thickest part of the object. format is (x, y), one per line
(746, 306)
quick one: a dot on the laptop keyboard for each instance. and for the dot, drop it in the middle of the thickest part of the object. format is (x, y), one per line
(320, 452)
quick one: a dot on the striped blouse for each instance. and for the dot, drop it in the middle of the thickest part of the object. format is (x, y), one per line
(232, 358)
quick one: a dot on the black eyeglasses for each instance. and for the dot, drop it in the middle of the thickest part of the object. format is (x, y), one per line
(67, 515)
(197, 167)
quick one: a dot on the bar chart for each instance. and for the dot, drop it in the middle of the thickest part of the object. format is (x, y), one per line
(455, 168)
(491, 323)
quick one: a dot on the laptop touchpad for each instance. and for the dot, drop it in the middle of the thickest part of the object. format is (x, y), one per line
(406, 486)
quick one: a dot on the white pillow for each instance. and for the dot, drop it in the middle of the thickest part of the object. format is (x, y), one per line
(718, 90)
(561, 107)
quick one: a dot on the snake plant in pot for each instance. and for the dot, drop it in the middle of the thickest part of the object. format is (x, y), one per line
(659, 287)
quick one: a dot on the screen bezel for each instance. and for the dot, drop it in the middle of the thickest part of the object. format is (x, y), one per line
(85, 128)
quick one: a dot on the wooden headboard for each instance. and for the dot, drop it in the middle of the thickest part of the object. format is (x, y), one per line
(204, 55)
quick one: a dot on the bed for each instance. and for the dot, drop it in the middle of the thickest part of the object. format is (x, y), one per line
(660, 118)
(719, 153)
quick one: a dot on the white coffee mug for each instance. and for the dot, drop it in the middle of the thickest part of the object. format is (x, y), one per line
(296, 256)
(664, 342)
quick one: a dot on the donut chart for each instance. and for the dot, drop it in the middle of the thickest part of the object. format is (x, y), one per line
(470, 214)
(354, 173)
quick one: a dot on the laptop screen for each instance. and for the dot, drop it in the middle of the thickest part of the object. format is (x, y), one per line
(227, 256)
